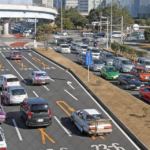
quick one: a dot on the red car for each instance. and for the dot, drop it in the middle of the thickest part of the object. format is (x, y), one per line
(144, 93)
(140, 72)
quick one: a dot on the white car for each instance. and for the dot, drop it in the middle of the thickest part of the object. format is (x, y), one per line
(62, 33)
(64, 48)
(3, 144)
(95, 52)
(117, 34)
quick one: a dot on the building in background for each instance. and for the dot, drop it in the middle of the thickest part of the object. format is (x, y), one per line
(46, 3)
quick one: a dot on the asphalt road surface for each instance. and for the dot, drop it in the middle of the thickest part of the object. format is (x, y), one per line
(62, 134)
(73, 57)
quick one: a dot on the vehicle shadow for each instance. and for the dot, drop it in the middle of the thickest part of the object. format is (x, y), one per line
(137, 96)
(72, 127)
(29, 83)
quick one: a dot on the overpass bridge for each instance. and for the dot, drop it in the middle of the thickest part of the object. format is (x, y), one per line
(8, 11)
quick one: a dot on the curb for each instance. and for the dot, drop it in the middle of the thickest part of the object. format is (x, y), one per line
(135, 139)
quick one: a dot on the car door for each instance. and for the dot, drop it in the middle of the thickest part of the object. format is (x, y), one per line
(124, 81)
(145, 93)
(80, 119)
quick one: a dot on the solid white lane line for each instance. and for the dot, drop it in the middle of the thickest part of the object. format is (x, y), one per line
(106, 113)
(31, 63)
(48, 60)
(14, 68)
(71, 95)
(62, 126)
(35, 94)
(46, 88)
(52, 79)
(17, 130)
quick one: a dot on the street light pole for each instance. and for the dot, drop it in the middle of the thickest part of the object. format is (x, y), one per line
(111, 23)
(107, 33)
(61, 18)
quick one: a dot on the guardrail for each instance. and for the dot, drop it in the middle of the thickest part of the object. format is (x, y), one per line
(137, 141)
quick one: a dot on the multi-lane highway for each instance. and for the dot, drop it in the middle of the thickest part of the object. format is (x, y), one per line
(73, 57)
(64, 94)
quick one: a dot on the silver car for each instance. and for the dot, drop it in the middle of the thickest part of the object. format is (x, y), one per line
(81, 59)
(123, 64)
(91, 121)
(14, 95)
(107, 57)
(144, 62)
(96, 65)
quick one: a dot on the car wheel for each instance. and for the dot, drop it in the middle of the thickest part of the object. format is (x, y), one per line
(100, 74)
(119, 83)
(140, 95)
(6, 102)
(71, 119)
(27, 124)
(2, 88)
(106, 78)
(121, 70)
(127, 87)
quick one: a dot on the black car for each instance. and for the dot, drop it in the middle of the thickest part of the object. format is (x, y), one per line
(61, 41)
(130, 82)
(69, 40)
(85, 41)
(36, 112)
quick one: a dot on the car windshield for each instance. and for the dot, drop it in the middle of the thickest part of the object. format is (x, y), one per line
(64, 46)
(12, 80)
(84, 47)
(97, 62)
(147, 62)
(126, 62)
(95, 51)
(41, 74)
(142, 70)
(94, 117)
(111, 69)
(18, 92)
(132, 79)
(110, 56)
(39, 108)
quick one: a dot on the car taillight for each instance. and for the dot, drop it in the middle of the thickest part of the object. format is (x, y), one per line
(26, 95)
(29, 114)
(3, 148)
(6, 83)
(19, 82)
(107, 127)
(50, 114)
(47, 79)
(92, 128)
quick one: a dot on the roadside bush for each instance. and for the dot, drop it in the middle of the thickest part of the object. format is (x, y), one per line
(115, 47)
(141, 53)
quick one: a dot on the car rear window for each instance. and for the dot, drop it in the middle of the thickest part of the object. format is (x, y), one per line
(94, 116)
(1, 139)
(12, 80)
(39, 108)
(16, 53)
(18, 92)
(41, 75)
(64, 46)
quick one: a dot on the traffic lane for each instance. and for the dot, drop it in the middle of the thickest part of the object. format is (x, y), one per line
(21, 123)
(81, 103)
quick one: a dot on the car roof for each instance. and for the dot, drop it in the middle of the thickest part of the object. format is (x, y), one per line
(9, 76)
(107, 53)
(64, 44)
(91, 111)
(109, 67)
(123, 58)
(15, 87)
(39, 71)
(36, 100)
(140, 67)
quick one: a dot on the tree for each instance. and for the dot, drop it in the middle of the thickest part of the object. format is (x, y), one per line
(147, 34)
(67, 24)
(43, 34)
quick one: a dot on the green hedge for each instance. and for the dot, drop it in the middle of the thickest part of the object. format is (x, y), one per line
(125, 49)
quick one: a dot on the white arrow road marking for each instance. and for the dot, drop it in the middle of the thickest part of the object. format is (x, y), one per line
(53, 67)
(69, 83)
(63, 148)
(30, 54)
(17, 130)
(71, 95)
(35, 94)
(62, 126)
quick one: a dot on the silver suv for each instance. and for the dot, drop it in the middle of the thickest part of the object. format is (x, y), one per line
(107, 58)
(144, 62)
(123, 64)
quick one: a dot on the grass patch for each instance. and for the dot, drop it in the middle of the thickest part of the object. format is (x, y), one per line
(126, 107)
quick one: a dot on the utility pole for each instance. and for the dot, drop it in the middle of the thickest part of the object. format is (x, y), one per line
(111, 22)
(107, 33)
(61, 18)
(100, 20)
(121, 29)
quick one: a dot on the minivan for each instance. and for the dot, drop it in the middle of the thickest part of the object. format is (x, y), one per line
(36, 112)
(144, 62)
(81, 48)
(107, 58)
(123, 64)
(8, 80)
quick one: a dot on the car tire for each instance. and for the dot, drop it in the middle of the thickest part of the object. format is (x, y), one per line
(140, 95)
(71, 120)
(2, 88)
(106, 78)
(119, 83)
(121, 70)
(100, 74)
(27, 124)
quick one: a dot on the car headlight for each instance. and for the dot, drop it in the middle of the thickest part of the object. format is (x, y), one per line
(142, 84)
(141, 76)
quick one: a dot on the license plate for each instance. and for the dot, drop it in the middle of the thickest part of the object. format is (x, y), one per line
(17, 56)
(40, 120)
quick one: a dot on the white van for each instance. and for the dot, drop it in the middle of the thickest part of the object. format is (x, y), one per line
(81, 48)
(117, 34)
(8, 80)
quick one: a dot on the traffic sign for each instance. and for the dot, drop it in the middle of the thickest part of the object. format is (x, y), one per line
(88, 58)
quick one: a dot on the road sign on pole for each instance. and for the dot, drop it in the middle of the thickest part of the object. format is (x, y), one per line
(88, 60)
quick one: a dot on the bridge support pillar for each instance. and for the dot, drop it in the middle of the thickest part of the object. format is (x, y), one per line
(5, 26)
